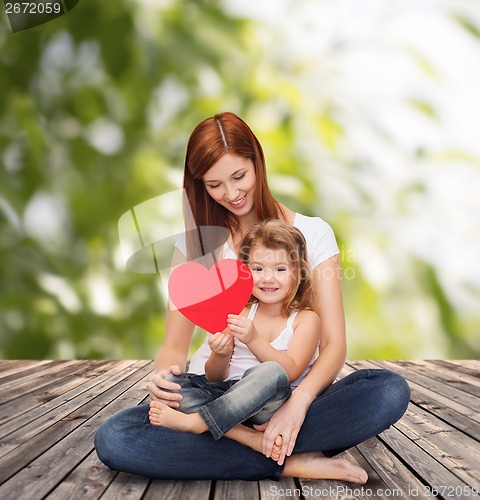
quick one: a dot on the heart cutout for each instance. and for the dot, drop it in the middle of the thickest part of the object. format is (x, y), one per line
(207, 296)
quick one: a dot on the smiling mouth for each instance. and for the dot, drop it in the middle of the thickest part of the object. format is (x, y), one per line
(239, 202)
(263, 289)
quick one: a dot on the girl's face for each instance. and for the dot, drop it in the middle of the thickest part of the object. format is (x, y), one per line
(231, 182)
(272, 273)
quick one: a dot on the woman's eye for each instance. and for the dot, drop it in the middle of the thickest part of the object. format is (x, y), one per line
(213, 186)
(240, 177)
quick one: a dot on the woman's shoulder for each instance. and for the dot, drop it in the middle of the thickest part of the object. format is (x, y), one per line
(311, 225)
(321, 242)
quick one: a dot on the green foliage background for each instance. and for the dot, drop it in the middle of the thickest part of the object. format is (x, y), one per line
(95, 111)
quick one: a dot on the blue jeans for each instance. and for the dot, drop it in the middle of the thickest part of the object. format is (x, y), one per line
(253, 399)
(354, 409)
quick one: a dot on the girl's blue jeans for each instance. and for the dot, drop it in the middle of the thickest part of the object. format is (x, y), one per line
(253, 399)
(354, 409)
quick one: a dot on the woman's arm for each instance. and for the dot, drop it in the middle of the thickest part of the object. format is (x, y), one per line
(176, 343)
(300, 350)
(333, 341)
(171, 358)
(288, 419)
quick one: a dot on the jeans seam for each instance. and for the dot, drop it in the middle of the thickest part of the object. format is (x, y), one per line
(321, 397)
(211, 424)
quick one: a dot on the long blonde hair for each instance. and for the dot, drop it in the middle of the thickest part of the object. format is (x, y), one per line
(276, 234)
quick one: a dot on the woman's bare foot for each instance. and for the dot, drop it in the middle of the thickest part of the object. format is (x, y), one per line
(165, 416)
(317, 466)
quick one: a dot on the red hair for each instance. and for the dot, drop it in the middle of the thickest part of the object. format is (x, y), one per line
(210, 140)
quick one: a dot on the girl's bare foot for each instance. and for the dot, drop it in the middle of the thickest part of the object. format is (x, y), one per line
(277, 448)
(317, 466)
(253, 439)
(163, 415)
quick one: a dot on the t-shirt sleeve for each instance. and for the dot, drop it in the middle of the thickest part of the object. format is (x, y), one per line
(321, 242)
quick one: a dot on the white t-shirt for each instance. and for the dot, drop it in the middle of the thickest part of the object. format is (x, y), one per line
(321, 245)
(243, 358)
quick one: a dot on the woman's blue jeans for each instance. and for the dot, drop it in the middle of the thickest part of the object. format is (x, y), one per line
(253, 399)
(354, 409)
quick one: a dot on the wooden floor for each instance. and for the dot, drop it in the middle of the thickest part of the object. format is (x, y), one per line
(49, 411)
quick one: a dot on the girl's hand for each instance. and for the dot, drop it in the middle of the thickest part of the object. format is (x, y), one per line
(221, 344)
(286, 421)
(157, 384)
(242, 328)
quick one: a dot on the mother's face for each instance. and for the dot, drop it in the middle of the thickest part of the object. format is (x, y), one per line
(231, 182)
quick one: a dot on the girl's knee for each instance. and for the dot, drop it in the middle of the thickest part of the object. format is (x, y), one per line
(275, 371)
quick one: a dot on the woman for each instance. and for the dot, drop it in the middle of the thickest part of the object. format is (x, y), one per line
(225, 182)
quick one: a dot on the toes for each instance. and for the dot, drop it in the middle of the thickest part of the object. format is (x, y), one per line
(277, 447)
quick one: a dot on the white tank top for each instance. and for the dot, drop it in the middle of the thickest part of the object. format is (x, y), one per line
(243, 358)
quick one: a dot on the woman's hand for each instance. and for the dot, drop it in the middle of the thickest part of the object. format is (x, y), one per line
(221, 344)
(242, 328)
(157, 384)
(287, 421)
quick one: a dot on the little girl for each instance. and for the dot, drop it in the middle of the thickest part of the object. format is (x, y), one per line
(246, 373)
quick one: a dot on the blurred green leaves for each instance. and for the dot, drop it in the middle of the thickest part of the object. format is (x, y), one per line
(95, 114)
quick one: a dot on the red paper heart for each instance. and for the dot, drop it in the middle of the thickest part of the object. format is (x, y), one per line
(207, 296)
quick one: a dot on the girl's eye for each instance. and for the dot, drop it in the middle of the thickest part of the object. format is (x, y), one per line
(240, 177)
(213, 186)
(281, 269)
(256, 268)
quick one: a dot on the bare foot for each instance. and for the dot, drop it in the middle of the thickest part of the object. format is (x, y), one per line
(317, 466)
(277, 448)
(165, 416)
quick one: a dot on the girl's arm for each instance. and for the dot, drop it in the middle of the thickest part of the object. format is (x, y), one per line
(288, 419)
(218, 363)
(300, 350)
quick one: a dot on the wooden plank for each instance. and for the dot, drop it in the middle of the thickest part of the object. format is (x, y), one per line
(57, 456)
(393, 472)
(285, 488)
(465, 383)
(18, 388)
(471, 364)
(458, 368)
(174, 490)
(420, 440)
(55, 420)
(455, 414)
(333, 490)
(406, 369)
(10, 367)
(427, 467)
(126, 486)
(459, 454)
(23, 406)
(32, 408)
(463, 403)
(456, 451)
(236, 490)
(88, 480)
(19, 376)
